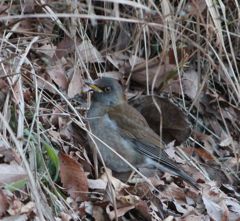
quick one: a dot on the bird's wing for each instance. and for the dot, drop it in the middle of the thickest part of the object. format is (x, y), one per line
(133, 127)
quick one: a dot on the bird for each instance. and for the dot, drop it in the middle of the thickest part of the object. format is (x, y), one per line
(124, 129)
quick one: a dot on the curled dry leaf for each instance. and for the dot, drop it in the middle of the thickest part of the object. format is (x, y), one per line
(175, 125)
(73, 177)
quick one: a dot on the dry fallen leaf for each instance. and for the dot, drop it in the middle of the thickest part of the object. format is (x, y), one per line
(76, 83)
(214, 210)
(162, 72)
(88, 53)
(47, 49)
(4, 203)
(57, 74)
(11, 173)
(175, 124)
(97, 184)
(65, 46)
(73, 177)
(118, 184)
(190, 84)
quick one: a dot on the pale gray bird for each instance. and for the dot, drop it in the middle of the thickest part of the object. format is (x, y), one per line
(124, 129)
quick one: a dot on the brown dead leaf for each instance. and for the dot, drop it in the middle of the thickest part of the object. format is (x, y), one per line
(195, 7)
(88, 53)
(175, 124)
(11, 173)
(4, 203)
(162, 72)
(57, 74)
(73, 177)
(204, 154)
(3, 86)
(9, 155)
(76, 83)
(118, 60)
(208, 141)
(190, 85)
(143, 209)
(65, 46)
(42, 83)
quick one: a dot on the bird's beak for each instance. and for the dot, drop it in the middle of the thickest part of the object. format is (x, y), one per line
(94, 87)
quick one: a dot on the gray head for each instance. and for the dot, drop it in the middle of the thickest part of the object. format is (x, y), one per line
(110, 92)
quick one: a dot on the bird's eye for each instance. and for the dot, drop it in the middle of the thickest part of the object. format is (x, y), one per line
(107, 89)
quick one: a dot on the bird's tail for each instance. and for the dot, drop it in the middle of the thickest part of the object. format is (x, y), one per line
(176, 170)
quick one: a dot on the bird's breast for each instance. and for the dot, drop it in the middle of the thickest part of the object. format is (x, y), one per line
(108, 131)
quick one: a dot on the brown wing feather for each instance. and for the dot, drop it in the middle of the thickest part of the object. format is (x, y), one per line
(134, 125)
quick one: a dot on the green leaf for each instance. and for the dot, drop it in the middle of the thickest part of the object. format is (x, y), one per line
(54, 163)
(20, 184)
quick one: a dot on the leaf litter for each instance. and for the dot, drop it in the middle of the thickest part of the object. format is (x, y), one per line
(192, 69)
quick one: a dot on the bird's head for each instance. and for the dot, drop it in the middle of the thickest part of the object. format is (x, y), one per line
(107, 91)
